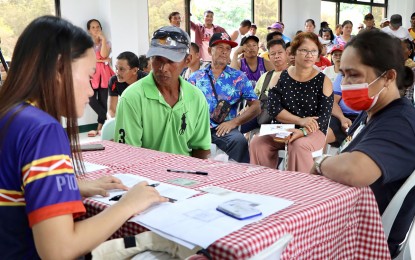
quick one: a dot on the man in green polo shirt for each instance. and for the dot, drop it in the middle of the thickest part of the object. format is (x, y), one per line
(162, 111)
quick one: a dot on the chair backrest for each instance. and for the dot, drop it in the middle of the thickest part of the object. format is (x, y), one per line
(108, 129)
(274, 251)
(389, 216)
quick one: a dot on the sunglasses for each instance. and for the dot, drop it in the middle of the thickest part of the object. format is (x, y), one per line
(170, 38)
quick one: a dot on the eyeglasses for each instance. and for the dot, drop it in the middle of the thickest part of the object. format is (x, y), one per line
(305, 52)
(170, 38)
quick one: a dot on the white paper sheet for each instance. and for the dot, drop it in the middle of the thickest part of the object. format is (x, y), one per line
(167, 190)
(279, 129)
(197, 221)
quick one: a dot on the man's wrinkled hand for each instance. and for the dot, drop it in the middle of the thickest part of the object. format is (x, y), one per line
(225, 128)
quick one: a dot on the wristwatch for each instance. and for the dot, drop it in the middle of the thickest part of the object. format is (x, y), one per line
(319, 161)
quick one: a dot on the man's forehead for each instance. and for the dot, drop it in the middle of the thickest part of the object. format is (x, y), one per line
(222, 44)
(252, 41)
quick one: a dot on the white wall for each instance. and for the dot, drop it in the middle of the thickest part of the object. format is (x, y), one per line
(124, 22)
(404, 8)
(295, 12)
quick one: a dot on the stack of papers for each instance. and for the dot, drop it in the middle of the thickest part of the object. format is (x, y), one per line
(166, 190)
(196, 221)
(280, 130)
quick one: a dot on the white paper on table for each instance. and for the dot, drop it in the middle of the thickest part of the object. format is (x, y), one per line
(197, 221)
(279, 129)
(90, 167)
(166, 190)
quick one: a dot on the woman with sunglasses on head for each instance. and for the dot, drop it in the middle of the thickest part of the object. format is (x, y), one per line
(49, 78)
(303, 96)
(103, 74)
(380, 148)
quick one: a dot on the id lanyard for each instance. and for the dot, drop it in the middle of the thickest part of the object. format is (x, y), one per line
(349, 138)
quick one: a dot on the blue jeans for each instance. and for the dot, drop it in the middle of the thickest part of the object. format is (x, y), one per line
(233, 144)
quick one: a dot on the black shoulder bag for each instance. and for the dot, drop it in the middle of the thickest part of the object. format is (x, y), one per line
(264, 117)
(222, 108)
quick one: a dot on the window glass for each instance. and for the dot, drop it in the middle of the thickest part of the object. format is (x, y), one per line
(265, 14)
(379, 1)
(15, 16)
(328, 14)
(378, 14)
(354, 13)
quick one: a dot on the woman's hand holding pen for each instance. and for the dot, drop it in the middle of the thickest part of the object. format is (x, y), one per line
(140, 197)
(100, 186)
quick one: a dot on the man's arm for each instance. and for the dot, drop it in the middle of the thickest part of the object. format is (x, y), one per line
(353, 169)
(236, 62)
(338, 113)
(193, 26)
(128, 127)
(234, 35)
(201, 154)
(113, 101)
(253, 110)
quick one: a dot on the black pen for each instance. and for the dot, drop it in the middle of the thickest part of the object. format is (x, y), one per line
(118, 197)
(186, 171)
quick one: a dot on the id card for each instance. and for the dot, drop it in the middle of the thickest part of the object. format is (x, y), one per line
(239, 209)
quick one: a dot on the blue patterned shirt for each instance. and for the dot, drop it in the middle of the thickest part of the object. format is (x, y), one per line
(232, 85)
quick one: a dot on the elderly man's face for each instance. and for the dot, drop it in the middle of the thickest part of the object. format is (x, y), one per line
(220, 53)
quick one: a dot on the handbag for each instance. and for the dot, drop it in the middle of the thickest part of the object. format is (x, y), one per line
(222, 108)
(264, 117)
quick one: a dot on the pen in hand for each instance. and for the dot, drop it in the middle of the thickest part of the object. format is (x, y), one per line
(186, 171)
(118, 197)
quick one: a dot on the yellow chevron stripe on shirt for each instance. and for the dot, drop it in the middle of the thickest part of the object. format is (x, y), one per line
(46, 159)
(12, 203)
(11, 192)
(47, 174)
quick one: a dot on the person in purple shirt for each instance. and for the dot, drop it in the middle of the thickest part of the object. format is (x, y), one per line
(252, 65)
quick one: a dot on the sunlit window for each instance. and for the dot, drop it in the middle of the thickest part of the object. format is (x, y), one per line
(354, 12)
(15, 16)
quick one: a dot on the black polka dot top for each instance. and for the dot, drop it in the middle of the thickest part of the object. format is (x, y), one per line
(302, 99)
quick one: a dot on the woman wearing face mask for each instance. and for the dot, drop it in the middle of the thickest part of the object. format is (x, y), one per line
(380, 148)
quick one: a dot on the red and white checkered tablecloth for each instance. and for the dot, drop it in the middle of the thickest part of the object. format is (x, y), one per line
(328, 220)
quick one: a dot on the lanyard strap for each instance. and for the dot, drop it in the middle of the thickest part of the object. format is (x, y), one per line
(213, 87)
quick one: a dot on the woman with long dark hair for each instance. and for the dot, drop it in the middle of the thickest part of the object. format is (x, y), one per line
(53, 63)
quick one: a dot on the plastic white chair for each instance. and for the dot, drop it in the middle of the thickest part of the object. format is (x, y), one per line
(389, 216)
(108, 129)
(274, 251)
